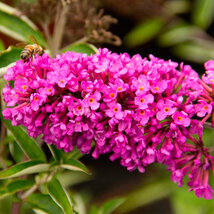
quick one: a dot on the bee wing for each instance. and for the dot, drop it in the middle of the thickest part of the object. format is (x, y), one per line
(21, 44)
(33, 39)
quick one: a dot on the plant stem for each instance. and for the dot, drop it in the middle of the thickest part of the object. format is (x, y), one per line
(3, 134)
(46, 30)
(211, 149)
(208, 125)
(60, 21)
(16, 206)
(46, 178)
(2, 137)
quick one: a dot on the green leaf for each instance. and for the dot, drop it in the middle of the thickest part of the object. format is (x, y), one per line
(179, 34)
(57, 153)
(20, 184)
(94, 210)
(44, 203)
(74, 165)
(28, 145)
(15, 186)
(9, 55)
(183, 201)
(39, 211)
(208, 136)
(59, 195)
(24, 168)
(145, 195)
(75, 153)
(109, 206)
(81, 48)
(3, 193)
(1, 46)
(7, 162)
(144, 32)
(18, 29)
(194, 52)
(203, 13)
(71, 178)
(13, 11)
(16, 151)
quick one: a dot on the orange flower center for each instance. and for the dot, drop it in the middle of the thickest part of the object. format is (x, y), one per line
(166, 109)
(79, 108)
(205, 107)
(142, 100)
(49, 90)
(119, 89)
(112, 95)
(142, 112)
(24, 87)
(36, 98)
(115, 109)
(211, 80)
(179, 118)
(62, 81)
(91, 100)
(141, 88)
(156, 88)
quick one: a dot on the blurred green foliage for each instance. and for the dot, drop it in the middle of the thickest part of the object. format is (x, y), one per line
(188, 38)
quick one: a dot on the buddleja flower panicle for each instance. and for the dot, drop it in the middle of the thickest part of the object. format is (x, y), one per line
(140, 111)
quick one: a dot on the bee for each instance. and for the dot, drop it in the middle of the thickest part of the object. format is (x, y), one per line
(30, 50)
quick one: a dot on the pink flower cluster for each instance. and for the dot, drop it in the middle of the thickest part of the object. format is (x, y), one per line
(140, 111)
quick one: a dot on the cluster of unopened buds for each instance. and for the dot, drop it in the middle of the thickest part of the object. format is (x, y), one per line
(140, 111)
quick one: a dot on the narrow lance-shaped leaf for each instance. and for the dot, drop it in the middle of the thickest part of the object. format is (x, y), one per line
(15, 186)
(94, 210)
(16, 151)
(194, 52)
(145, 195)
(3, 193)
(203, 13)
(1, 45)
(24, 168)
(57, 153)
(28, 145)
(81, 48)
(20, 184)
(109, 206)
(74, 165)
(44, 203)
(143, 32)
(182, 201)
(18, 29)
(180, 34)
(75, 154)
(9, 56)
(14, 11)
(59, 195)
